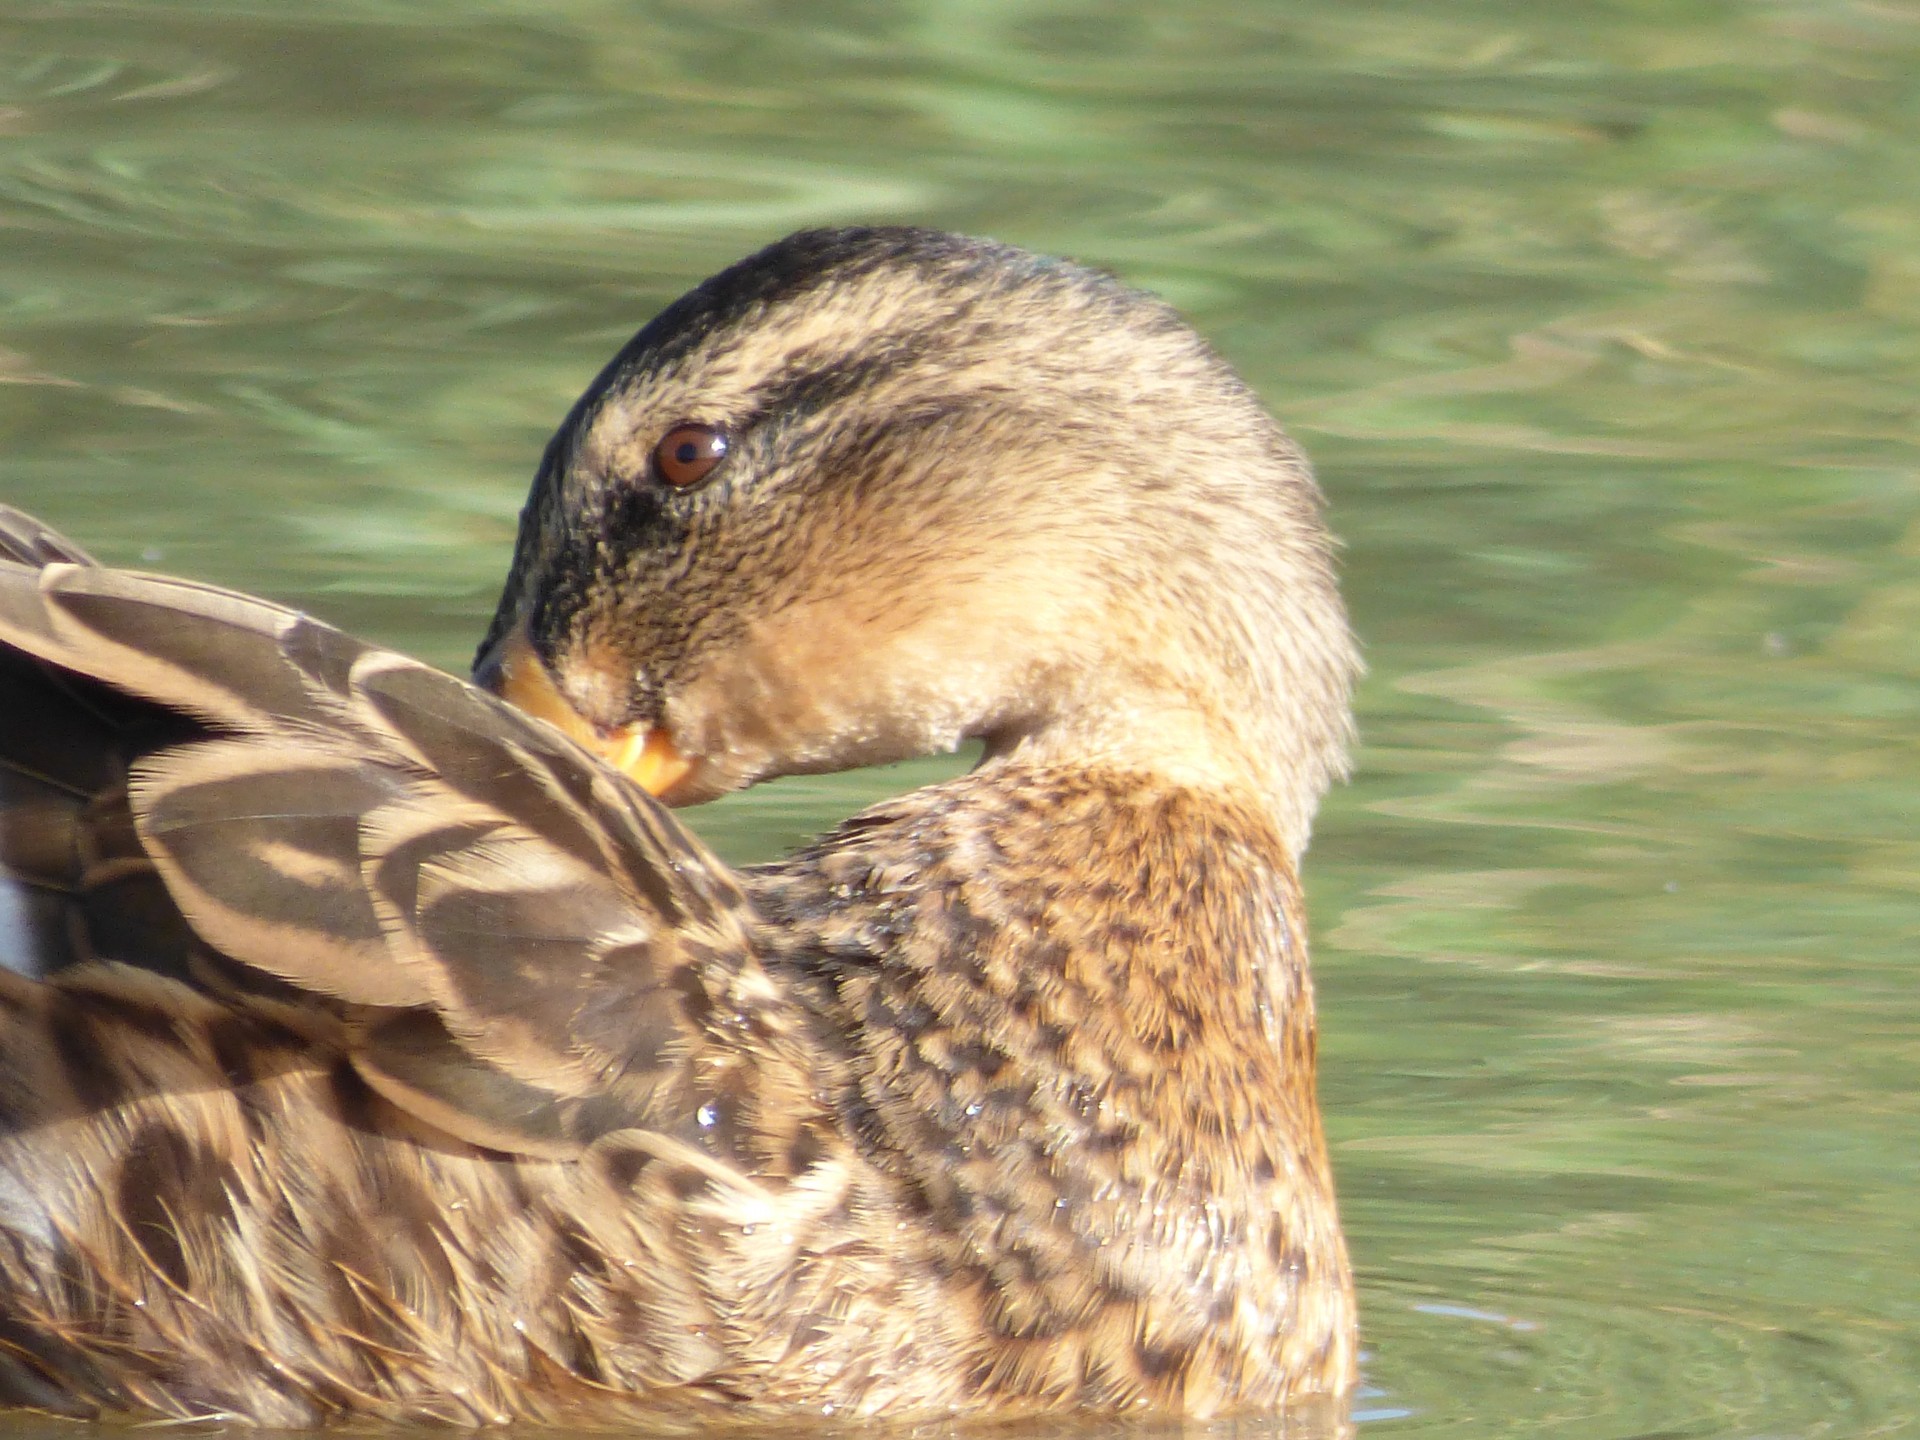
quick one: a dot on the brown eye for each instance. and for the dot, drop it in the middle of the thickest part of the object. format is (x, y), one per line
(687, 454)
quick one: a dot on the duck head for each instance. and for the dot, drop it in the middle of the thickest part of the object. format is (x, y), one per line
(873, 493)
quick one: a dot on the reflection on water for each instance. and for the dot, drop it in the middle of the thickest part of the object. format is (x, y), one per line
(1601, 326)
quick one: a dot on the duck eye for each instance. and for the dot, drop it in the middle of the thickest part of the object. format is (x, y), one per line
(687, 454)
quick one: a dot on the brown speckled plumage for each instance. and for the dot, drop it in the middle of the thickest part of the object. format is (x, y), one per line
(375, 1051)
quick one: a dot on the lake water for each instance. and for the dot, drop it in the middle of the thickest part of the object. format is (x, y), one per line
(1600, 322)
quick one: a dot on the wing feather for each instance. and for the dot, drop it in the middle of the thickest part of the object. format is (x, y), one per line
(518, 945)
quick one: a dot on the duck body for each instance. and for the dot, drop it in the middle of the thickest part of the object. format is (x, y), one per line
(372, 1049)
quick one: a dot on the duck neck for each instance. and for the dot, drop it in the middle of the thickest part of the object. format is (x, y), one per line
(1162, 747)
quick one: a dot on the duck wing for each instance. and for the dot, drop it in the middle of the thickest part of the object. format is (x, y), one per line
(508, 939)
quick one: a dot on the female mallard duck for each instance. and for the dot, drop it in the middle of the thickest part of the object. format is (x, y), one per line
(373, 1049)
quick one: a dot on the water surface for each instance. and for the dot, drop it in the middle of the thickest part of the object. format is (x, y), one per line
(1600, 324)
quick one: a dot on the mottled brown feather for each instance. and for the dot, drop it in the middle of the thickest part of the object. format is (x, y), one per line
(371, 1050)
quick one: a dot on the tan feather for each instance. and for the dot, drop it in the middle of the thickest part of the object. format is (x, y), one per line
(371, 1050)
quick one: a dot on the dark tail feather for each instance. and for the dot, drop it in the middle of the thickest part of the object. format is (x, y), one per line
(25, 541)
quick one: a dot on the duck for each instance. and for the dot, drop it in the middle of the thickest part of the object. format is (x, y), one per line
(378, 1045)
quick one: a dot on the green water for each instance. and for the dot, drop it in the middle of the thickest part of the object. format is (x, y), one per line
(1600, 321)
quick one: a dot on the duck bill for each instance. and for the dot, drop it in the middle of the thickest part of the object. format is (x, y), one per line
(646, 754)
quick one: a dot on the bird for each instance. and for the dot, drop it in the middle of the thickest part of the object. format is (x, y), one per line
(378, 1045)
